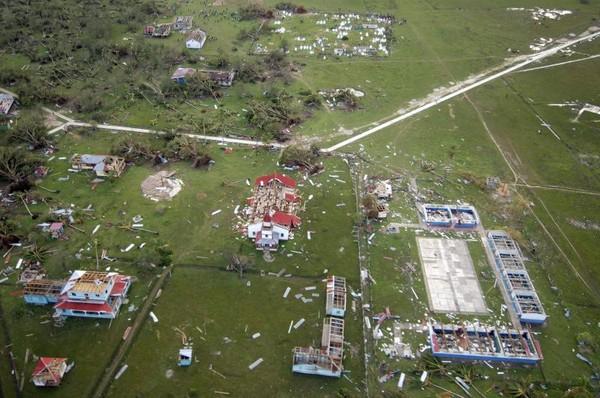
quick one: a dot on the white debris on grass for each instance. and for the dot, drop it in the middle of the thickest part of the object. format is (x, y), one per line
(299, 323)
(540, 14)
(121, 371)
(287, 291)
(154, 317)
(214, 213)
(161, 186)
(254, 364)
(131, 246)
(96, 228)
(255, 336)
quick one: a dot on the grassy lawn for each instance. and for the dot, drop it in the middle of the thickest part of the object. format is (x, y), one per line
(447, 151)
(200, 294)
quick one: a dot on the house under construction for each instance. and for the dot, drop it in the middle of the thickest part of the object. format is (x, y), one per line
(326, 361)
(102, 165)
(516, 281)
(335, 304)
(483, 343)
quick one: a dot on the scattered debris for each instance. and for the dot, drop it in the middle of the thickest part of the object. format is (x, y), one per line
(254, 364)
(161, 186)
(121, 371)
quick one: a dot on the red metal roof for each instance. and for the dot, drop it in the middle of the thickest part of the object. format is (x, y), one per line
(86, 306)
(49, 365)
(290, 197)
(120, 285)
(282, 178)
(288, 220)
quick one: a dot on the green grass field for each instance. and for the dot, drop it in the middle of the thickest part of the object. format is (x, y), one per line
(448, 152)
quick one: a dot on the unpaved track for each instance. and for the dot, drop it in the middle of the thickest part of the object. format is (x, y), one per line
(107, 377)
(465, 87)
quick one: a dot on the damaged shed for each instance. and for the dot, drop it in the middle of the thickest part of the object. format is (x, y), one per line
(102, 165)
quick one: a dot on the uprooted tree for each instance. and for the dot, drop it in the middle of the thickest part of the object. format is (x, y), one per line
(187, 148)
(304, 157)
(274, 114)
(30, 130)
(239, 263)
(132, 149)
(16, 166)
(369, 203)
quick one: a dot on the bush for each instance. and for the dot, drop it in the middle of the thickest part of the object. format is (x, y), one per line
(254, 11)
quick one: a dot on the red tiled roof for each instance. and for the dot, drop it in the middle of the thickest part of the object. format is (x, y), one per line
(74, 306)
(267, 218)
(48, 364)
(286, 219)
(283, 179)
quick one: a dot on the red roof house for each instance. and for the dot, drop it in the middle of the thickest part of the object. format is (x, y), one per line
(281, 178)
(286, 219)
(49, 372)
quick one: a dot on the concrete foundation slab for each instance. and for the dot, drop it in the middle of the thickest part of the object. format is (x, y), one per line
(450, 278)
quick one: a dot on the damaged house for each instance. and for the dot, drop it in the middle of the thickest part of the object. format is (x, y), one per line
(161, 30)
(195, 39)
(93, 294)
(326, 360)
(181, 74)
(222, 78)
(102, 165)
(182, 23)
(89, 294)
(382, 190)
(49, 372)
(272, 211)
(6, 103)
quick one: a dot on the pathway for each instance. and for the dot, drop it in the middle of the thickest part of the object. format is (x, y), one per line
(107, 377)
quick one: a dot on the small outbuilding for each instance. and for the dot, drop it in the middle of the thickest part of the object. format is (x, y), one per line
(185, 356)
(49, 372)
(195, 39)
(182, 23)
(181, 74)
(223, 78)
(6, 103)
(56, 230)
(102, 165)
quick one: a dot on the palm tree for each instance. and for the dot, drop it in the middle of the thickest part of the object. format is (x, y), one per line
(36, 253)
(523, 388)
